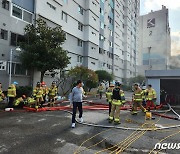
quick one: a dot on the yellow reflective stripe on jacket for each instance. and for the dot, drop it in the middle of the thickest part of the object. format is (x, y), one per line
(11, 92)
(123, 97)
(137, 99)
(45, 91)
(17, 102)
(116, 102)
(108, 95)
(1, 95)
(37, 92)
(122, 94)
(137, 94)
(52, 91)
(30, 100)
(151, 94)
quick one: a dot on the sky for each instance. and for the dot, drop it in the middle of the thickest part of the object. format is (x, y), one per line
(174, 19)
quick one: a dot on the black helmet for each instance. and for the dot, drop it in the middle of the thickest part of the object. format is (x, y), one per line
(53, 82)
(117, 84)
(38, 83)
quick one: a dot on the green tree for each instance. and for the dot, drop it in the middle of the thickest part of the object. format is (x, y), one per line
(64, 82)
(42, 48)
(138, 79)
(104, 75)
(88, 76)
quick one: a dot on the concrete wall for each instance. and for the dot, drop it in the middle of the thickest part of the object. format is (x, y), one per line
(14, 25)
(155, 41)
(156, 85)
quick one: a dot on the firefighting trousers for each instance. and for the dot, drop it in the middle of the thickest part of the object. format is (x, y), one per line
(110, 105)
(136, 104)
(10, 103)
(115, 113)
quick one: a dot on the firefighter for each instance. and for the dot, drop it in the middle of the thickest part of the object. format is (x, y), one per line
(45, 91)
(2, 96)
(38, 95)
(30, 101)
(117, 100)
(151, 97)
(137, 99)
(20, 102)
(11, 93)
(109, 95)
(52, 93)
(100, 90)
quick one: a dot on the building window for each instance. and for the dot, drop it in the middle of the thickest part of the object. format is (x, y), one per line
(110, 20)
(51, 6)
(27, 16)
(80, 43)
(80, 10)
(101, 51)
(110, 44)
(5, 4)
(80, 59)
(15, 39)
(18, 69)
(111, 33)
(93, 63)
(2, 65)
(80, 26)
(101, 11)
(101, 37)
(17, 12)
(22, 14)
(4, 34)
(64, 16)
(102, 25)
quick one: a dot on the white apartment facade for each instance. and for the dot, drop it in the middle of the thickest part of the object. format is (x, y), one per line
(155, 41)
(100, 34)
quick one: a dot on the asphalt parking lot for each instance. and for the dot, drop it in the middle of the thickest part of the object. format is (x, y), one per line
(50, 132)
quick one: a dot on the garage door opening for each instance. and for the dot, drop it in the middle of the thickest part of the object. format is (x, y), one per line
(170, 91)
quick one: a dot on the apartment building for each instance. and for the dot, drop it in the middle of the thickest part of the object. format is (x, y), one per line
(155, 41)
(100, 34)
(14, 16)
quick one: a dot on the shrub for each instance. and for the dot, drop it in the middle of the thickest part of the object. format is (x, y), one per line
(24, 90)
